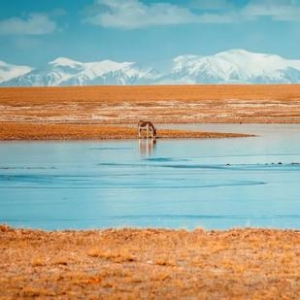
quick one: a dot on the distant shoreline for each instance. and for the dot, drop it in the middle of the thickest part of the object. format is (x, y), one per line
(95, 112)
(111, 105)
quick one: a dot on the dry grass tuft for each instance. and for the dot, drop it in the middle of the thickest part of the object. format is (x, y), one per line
(124, 256)
(32, 292)
(37, 262)
(4, 228)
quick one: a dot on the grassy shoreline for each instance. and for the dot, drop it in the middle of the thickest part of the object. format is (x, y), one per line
(23, 131)
(149, 263)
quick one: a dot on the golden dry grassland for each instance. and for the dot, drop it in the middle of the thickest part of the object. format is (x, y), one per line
(160, 104)
(114, 105)
(149, 264)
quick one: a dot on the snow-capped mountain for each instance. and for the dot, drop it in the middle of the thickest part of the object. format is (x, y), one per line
(233, 66)
(8, 71)
(64, 72)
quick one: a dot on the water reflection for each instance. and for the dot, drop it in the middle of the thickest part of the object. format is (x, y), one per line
(213, 184)
(146, 147)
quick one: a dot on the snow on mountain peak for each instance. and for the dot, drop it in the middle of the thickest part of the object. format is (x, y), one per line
(65, 62)
(184, 58)
(232, 66)
(105, 66)
(242, 52)
(3, 64)
(256, 64)
(8, 71)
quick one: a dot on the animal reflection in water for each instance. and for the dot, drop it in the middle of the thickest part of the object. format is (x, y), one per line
(147, 137)
(146, 147)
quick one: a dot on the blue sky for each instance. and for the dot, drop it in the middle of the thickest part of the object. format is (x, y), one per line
(33, 32)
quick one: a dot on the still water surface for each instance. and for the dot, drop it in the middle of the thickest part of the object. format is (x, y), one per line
(214, 184)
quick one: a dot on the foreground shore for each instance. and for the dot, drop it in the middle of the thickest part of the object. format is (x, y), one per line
(149, 264)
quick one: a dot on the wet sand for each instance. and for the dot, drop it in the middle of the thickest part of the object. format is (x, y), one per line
(149, 264)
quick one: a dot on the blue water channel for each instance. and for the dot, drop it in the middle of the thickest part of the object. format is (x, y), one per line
(210, 183)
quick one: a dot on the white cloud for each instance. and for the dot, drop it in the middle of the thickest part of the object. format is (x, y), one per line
(35, 24)
(217, 18)
(278, 10)
(211, 5)
(132, 14)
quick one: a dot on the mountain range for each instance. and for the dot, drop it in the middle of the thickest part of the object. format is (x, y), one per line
(233, 66)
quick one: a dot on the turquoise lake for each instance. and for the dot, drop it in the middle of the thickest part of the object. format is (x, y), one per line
(213, 184)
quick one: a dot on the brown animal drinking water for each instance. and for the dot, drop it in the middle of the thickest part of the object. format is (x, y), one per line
(148, 127)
